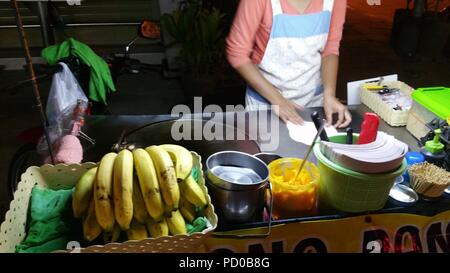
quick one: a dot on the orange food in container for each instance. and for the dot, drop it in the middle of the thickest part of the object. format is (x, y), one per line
(294, 198)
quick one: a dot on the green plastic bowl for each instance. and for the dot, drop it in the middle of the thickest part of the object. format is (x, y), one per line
(351, 191)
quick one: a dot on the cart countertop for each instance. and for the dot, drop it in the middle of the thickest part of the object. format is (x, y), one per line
(107, 130)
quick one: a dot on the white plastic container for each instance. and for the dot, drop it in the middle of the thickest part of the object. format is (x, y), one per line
(387, 113)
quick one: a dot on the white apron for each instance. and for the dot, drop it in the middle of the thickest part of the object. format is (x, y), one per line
(292, 60)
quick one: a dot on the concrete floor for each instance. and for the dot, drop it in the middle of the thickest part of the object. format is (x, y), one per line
(365, 53)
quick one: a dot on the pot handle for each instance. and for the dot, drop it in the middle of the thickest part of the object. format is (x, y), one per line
(269, 225)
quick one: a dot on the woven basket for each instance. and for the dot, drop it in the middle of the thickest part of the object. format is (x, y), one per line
(12, 230)
(388, 114)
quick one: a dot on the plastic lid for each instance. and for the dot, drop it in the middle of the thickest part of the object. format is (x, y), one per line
(435, 146)
(414, 158)
(434, 99)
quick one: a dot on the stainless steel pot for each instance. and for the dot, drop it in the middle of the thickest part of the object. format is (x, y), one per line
(237, 183)
(267, 157)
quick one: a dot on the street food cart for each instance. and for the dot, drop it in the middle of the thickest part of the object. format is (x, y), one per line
(421, 227)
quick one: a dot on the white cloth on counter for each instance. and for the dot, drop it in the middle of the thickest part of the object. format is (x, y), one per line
(305, 133)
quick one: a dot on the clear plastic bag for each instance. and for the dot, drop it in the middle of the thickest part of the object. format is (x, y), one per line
(65, 93)
(64, 98)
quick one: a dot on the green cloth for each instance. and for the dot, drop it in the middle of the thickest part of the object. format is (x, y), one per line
(195, 173)
(49, 229)
(198, 225)
(101, 82)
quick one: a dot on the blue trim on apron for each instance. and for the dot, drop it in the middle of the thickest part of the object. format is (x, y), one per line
(319, 90)
(256, 96)
(311, 25)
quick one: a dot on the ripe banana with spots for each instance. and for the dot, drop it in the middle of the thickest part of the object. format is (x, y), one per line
(187, 210)
(158, 229)
(176, 223)
(103, 196)
(83, 192)
(166, 177)
(91, 228)
(148, 181)
(181, 158)
(123, 189)
(137, 231)
(192, 191)
(113, 236)
(139, 210)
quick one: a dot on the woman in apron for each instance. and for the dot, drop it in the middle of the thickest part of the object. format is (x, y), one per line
(288, 52)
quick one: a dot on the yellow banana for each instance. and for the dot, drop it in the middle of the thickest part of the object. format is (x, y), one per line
(112, 237)
(148, 181)
(82, 194)
(187, 210)
(91, 228)
(137, 231)
(176, 223)
(103, 196)
(166, 175)
(158, 229)
(192, 191)
(182, 159)
(123, 189)
(139, 211)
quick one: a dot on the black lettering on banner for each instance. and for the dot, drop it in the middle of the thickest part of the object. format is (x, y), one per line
(376, 241)
(414, 236)
(277, 247)
(311, 245)
(435, 238)
(256, 248)
(223, 251)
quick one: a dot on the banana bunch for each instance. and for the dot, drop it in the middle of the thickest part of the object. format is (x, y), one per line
(144, 193)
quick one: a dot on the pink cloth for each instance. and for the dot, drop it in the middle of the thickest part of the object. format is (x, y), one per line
(251, 28)
(69, 151)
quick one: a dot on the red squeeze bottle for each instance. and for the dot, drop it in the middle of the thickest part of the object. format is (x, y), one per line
(369, 129)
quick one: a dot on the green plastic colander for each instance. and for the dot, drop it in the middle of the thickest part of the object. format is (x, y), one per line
(351, 191)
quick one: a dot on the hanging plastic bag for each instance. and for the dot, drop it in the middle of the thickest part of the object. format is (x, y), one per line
(65, 93)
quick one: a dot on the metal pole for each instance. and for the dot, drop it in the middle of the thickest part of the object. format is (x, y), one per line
(36, 92)
(45, 26)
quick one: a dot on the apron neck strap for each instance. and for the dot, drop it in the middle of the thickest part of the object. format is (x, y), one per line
(276, 7)
(328, 5)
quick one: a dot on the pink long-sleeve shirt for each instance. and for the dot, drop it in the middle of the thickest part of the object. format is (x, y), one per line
(251, 28)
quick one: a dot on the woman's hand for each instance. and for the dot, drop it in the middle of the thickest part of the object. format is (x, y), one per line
(331, 105)
(287, 110)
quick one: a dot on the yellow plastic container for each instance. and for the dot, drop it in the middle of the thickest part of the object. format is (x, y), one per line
(293, 199)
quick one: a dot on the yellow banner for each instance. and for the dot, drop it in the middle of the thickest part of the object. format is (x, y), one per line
(381, 233)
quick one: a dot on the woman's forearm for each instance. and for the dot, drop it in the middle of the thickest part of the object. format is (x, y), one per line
(330, 67)
(256, 80)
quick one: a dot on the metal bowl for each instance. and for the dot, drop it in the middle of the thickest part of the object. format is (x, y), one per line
(162, 133)
(234, 170)
(403, 195)
(237, 183)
